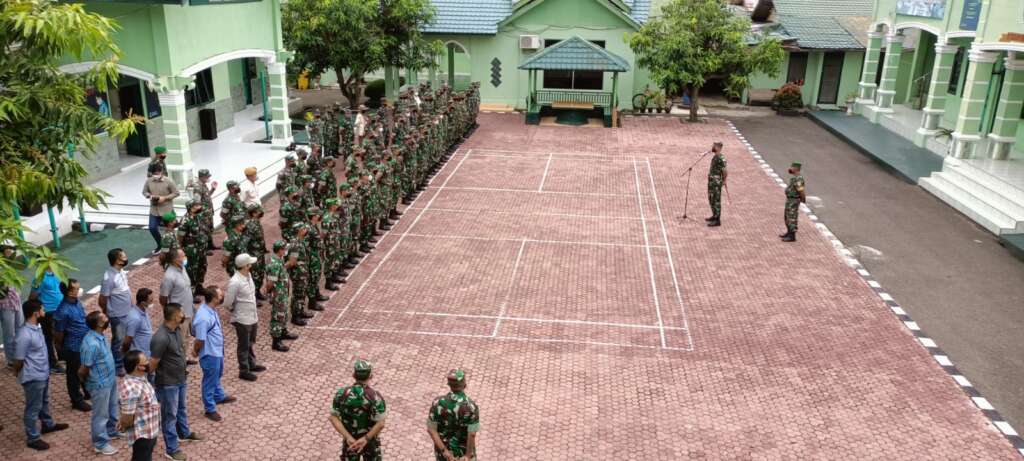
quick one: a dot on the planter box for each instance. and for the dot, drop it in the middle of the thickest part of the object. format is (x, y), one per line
(788, 112)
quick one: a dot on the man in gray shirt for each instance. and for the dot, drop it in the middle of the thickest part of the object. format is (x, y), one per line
(168, 363)
(161, 192)
(116, 302)
(177, 288)
(240, 300)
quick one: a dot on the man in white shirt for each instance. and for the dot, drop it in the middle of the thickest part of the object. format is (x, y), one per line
(360, 125)
(250, 194)
(240, 300)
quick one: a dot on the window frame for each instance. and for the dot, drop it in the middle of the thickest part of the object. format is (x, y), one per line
(201, 92)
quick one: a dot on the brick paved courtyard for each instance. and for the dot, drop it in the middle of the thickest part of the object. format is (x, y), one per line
(554, 265)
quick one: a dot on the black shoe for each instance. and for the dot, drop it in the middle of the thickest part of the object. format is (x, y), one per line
(321, 297)
(289, 336)
(790, 238)
(333, 286)
(386, 227)
(306, 315)
(710, 219)
(714, 223)
(247, 376)
(299, 321)
(191, 362)
(258, 369)
(38, 444)
(278, 346)
(82, 406)
(350, 264)
(55, 428)
(86, 395)
(784, 235)
(315, 307)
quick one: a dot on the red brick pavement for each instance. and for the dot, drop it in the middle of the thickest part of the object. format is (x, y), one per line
(555, 289)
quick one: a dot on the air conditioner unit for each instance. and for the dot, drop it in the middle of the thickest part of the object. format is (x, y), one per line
(530, 42)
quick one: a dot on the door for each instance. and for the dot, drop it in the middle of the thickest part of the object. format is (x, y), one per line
(129, 93)
(831, 72)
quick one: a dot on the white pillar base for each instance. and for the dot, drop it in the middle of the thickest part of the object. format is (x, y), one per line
(964, 146)
(999, 147)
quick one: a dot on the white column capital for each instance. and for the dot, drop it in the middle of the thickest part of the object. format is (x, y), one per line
(874, 34)
(171, 98)
(942, 48)
(894, 38)
(1015, 64)
(977, 55)
(276, 68)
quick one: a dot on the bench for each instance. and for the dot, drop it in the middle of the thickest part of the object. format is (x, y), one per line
(572, 105)
(760, 97)
(569, 99)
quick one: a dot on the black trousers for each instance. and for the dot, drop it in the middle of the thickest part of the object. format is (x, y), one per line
(51, 351)
(246, 346)
(142, 449)
(75, 385)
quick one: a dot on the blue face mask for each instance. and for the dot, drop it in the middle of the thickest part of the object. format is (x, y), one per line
(184, 263)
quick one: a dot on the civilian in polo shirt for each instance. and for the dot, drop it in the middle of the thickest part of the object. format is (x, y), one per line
(138, 331)
(161, 192)
(209, 347)
(168, 363)
(68, 331)
(176, 288)
(33, 371)
(116, 302)
(47, 291)
(97, 370)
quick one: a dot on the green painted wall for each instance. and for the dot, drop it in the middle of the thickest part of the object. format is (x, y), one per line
(1003, 16)
(850, 76)
(221, 82)
(199, 32)
(139, 31)
(903, 76)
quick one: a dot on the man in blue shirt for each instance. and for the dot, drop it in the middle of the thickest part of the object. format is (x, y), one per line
(209, 347)
(138, 330)
(68, 330)
(33, 371)
(47, 291)
(116, 302)
(97, 370)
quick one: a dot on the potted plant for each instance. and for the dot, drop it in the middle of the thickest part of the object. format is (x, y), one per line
(788, 100)
(649, 96)
(851, 100)
(660, 102)
(640, 103)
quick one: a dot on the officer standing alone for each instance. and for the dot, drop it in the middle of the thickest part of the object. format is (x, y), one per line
(717, 176)
(795, 195)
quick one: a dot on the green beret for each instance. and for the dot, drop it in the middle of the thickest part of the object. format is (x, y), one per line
(291, 190)
(306, 178)
(362, 368)
(299, 226)
(278, 245)
(313, 210)
(169, 217)
(253, 207)
(204, 173)
(344, 186)
(160, 150)
(797, 164)
(456, 376)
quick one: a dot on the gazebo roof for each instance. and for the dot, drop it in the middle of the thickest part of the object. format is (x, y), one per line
(575, 54)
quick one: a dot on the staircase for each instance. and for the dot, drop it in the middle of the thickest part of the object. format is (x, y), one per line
(990, 201)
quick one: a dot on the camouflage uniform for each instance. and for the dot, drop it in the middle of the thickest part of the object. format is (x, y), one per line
(196, 240)
(169, 239)
(286, 177)
(314, 128)
(326, 184)
(231, 205)
(235, 244)
(256, 243)
(280, 293)
(335, 251)
(794, 193)
(202, 192)
(289, 214)
(454, 416)
(360, 407)
(346, 134)
(716, 179)
(314, 256)
(299, 274)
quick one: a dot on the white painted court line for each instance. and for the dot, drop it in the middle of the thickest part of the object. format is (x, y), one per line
(668, 251)
(529, 191)
(391, 250)
(477, 155)
(516, 239)
(526, 213)
(525, 319)
(140, 261)
(647, 248)
(507, 338)
(544, 178)
(511, 283)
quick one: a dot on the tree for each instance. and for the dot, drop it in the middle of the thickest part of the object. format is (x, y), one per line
(43, 112)
(693, 41)
(356, 37)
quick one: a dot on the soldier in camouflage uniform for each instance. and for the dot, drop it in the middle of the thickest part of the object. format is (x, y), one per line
(308, 198)
(454, 421)
(314, 259)
(290, 213)
(315, 128)
(232, 204)
(326, 182)
(286, 177)
(350, 210)
(235, 244)
(299, 273)
(717, 176)
(195, 241)
(795, 195)
(278, 288)
(358, 413)
(300, 167)
(335, 253)
(257, 245)
(202, 190)
(346, 135)
(169, 239)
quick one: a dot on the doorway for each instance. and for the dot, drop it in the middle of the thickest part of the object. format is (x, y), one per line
(129, 93)
(831, 73)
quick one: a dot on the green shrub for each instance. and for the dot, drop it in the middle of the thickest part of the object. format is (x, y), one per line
(788, 97)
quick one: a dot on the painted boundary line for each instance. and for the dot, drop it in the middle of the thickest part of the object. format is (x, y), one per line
(929, 344)
(526, 213)
(531, 191)
(525, 319)
(647, 248)
(517, 239)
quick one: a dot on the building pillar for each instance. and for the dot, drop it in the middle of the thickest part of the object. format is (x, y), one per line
(432, 74)
(175, 123)
(280, 124)
(936, 105)
(1011, 99)
(968, 124)
(867, 84)
(451, 66)
(887, 88)
(412, 77)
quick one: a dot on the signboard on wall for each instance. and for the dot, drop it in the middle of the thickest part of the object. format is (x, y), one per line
(925, 8)
(969, 18)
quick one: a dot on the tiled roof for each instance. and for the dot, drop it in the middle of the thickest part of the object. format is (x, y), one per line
(483, 16)
(575, 54)
(818, 24)
(468, 16)
(824, 8)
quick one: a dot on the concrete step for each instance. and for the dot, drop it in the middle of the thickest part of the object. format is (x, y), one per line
(1006, 189)
(985, 191)
(980, 212)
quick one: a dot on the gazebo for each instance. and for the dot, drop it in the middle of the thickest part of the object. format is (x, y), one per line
(573, 54)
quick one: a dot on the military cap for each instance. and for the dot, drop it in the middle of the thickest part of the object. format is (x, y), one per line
(456, 376)
(169, 217)
(331, 202)
(204, 173)
(300, 226)
(232, 183)
(253, 207)
(278, 245)
(289, 158)
(237, 219)
(193, 202)
(306, 178)
(797, 164)
(291, 190)
(160, 150)
(313, 210)
(344, 186)
(362, 368)
(329, 159)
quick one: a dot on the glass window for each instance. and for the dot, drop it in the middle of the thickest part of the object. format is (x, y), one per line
(202, 90)
(797, 67)
(588, 80)
(558, 79)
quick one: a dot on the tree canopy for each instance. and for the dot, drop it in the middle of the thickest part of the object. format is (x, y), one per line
(356, 37)
(693, 41)
(43, 112)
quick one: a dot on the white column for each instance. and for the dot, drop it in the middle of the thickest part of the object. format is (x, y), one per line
(175, 122)
(281, 124)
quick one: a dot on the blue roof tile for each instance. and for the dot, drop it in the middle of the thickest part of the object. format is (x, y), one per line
(468, 16)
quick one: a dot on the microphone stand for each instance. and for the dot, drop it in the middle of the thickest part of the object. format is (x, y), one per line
(689, 172)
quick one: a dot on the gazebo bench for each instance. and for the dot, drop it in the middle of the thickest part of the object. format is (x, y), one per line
(572, 105)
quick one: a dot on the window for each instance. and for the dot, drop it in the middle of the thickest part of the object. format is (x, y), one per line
(797, 67)
(201, 91)
(574, 79)
(152, 103)
(954, 77)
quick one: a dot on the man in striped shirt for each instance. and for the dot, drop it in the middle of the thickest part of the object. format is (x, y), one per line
(140, 411)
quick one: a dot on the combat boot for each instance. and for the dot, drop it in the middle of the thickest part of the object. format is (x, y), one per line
(277, 345)
(790, 237)
(350, 263)
(331, 285)
(287, 335)
(313, 306)
(385, 224)
(715, 222)
(306, 315)
(712, 218)
(365, 248)
(320, 297)
(298, 320)
(395, 214)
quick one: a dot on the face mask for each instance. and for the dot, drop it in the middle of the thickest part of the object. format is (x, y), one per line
(184, 262)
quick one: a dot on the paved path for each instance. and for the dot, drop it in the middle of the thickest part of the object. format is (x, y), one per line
(553, 265)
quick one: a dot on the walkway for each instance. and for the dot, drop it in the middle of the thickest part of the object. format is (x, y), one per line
(554, 265)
